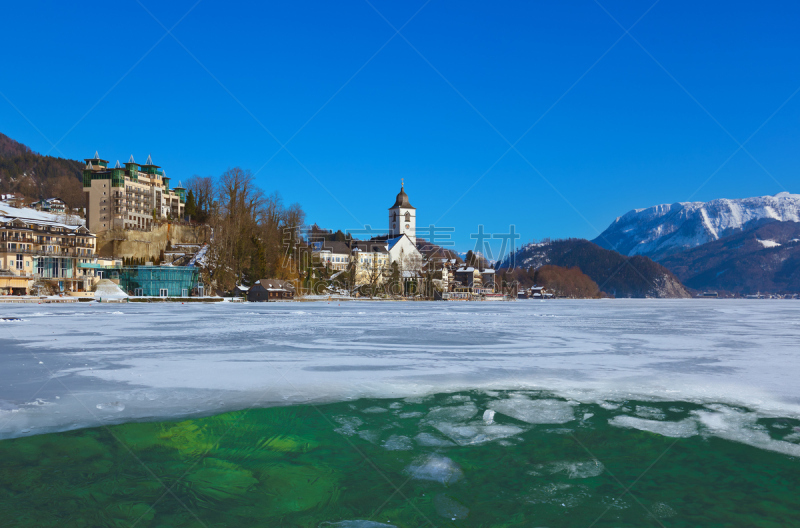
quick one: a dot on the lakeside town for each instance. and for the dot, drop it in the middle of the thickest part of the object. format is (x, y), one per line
(135, 239)
(131, 233)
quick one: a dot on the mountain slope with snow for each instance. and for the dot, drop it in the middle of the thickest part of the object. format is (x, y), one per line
(665, 229)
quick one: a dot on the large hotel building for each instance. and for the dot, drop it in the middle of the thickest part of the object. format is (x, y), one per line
(132, 196)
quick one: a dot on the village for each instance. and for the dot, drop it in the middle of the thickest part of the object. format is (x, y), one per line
(50, 252)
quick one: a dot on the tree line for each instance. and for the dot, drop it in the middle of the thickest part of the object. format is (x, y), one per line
(254, 234)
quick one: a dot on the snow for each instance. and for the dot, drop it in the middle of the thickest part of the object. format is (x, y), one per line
(67, 366)
(200, 257)
(107, 290)
(58, 220)
(688, 224)
(768, 243)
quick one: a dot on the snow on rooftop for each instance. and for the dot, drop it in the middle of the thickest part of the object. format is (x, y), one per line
(26, 214)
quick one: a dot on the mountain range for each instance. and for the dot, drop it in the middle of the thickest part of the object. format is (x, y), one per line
(665, 229)
(762, 258)
(740, 246)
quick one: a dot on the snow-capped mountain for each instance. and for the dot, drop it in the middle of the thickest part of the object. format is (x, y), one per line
(664, 229)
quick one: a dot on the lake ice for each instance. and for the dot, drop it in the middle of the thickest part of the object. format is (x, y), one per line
(80, 365)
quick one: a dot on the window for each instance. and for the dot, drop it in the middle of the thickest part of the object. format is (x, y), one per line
(19, 262)
(184, 292)
(137, 292)
(408, 216)
(163, 292)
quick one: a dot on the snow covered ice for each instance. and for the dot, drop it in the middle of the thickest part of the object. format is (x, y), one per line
(70, 366)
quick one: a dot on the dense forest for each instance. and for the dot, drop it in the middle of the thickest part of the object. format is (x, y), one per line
(35, 176)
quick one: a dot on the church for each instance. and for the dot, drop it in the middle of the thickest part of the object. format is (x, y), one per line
(375, 258)
(402, 241)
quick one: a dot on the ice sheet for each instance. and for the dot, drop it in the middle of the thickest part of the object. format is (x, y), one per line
(78, 365)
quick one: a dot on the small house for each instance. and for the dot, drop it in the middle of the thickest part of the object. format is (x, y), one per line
(267, 290)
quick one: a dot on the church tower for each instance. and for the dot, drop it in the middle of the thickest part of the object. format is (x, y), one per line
(403, 217)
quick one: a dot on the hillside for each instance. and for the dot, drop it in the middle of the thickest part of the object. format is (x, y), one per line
(763, 258)
(665, 229)
(615, 274)
(35, 176)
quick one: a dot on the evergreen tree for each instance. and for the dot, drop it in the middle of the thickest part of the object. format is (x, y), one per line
(191, 207)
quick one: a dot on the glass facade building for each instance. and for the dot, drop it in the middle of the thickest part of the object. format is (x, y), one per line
(160, 281)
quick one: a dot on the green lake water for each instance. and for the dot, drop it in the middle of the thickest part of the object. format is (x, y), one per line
(435, 461)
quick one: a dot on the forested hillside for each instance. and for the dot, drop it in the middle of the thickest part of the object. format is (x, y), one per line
(615, 274)
(36, 176)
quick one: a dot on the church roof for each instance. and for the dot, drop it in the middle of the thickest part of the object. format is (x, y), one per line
(402, 200)
(393, 241)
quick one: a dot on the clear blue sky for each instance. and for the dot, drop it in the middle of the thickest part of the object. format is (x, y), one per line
(616, 124)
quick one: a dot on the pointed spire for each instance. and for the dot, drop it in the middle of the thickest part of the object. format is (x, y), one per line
(131, 160)
(96, 156)
(149, 160)
(402, 183)
(117, 166)
(163, 173)
(89, 166)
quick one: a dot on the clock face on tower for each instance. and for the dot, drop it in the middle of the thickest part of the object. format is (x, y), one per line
(407, 226)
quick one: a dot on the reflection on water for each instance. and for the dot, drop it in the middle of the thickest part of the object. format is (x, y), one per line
(468, 459)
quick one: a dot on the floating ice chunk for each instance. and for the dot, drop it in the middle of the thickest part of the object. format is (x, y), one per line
(662, 510)
(609, 406)
(560, 494)
(349, 425)
(396, 405)
(652, 413)
(414, 414)
(111, 406)
(370, 436)
(398, 443)
(458, 398)
(459, 413)
(477, 433)
(586, 416)
(535, 411)
(792, 437)
(358, 524)
(374, 410)
(573, 470)
(450, 509)
(739, 426)
(429, 440)
(488, 416)
(436, 468)
(682, 429)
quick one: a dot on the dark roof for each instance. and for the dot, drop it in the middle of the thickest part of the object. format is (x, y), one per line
(369, 246)
(276, 284)
(346, 248)
(336, 247)
(402, 200)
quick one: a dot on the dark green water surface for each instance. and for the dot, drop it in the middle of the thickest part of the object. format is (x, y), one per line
(433, 461)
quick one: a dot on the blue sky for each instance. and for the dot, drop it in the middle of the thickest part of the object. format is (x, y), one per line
(600, 121)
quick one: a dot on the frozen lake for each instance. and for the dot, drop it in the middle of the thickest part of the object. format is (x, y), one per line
(72, 366)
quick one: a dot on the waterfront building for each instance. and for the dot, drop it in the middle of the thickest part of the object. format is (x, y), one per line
(36, 246)
(160, 281)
